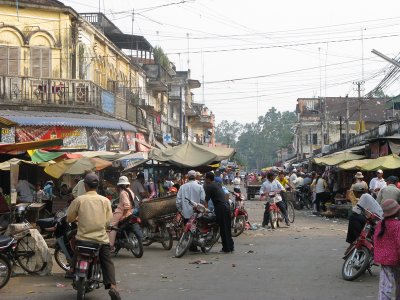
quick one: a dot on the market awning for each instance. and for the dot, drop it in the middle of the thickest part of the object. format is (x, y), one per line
(42, 156)
(191, 155)
(132, 160)
(6, 165)
(21, 147)
(336, 158)
(6, 122)
(388, 162)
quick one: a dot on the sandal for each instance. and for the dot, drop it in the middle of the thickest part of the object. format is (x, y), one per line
(114, 294)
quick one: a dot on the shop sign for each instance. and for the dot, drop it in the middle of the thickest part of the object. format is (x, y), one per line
(7, 135)
(106, 140)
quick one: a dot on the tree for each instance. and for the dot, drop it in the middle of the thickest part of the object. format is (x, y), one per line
(228, 133)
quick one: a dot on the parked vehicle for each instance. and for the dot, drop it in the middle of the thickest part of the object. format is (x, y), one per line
(238, 213)
(87, 269)
(64, 233)
(129, 236)
(252, 188)
(201, 230)
(359, 257)
(303, 197)
(158, 230)
(7, 248)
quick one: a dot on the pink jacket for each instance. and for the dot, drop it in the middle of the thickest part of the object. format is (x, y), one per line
(387, 247)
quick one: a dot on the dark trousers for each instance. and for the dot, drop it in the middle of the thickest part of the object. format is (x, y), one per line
(282, 208)
(356, 225)
(107, 265)
(223, 215)
(236, 190)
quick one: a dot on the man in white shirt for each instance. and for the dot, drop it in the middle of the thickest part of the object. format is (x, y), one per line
(25, 191)
(272, 185)
(236, 183)
(377, 183)
(293, 176)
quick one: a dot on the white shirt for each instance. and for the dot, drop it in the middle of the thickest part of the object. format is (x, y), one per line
(193, 191)
(293, 178)
(25, 191)
(368, 202)
(320, 185)
(273, 186)
(299, 181)
(236, 183)
(376, 183)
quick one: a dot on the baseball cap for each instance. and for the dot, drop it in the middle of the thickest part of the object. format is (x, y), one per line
(91, 178)
(379, 171)
(191, 173)
(359, 187)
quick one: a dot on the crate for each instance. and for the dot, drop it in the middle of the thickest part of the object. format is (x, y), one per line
(154, 208)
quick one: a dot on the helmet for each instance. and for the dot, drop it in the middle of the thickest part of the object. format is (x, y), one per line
(123, 180)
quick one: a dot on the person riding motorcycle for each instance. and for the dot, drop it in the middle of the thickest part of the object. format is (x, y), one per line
(273, 185)
(124, 208)
(94, 213)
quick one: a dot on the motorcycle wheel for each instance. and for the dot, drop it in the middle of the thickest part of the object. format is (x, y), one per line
(183, 244)
(146, 241)
(356, 263)
(290, 211)
(166, 238)
(80, 286)
(238, 227)
(215, 238)
(28, 255)
(61, 259)
(273, 219)
(136, 241)
(5, 270)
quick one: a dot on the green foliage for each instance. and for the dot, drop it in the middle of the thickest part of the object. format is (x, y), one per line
(160, 57)
(256, 143)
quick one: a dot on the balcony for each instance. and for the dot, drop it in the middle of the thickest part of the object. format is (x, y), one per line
(204, 121)
(158, 77)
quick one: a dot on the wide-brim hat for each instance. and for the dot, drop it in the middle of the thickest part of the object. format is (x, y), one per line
(123, 180)
(390, 207)
(359, 175)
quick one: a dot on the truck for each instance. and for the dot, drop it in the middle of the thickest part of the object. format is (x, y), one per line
(252, 188)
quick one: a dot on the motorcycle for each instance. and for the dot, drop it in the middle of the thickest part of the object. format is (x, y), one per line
(239, 214)
(64, 233)
(303, 197)
(359, 257)
(7, 249)
(129, 235)
(201, 230)
(275, 214)
(87, 276)
(158, 230)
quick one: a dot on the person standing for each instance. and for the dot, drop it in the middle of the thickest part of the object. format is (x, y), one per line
(79, 188)
(124, 208)
(94, 213)
(25, 191)
(236, 183)
(386, 251)
(390, 191)
(319, 186)
(377, 183)
(222, 211)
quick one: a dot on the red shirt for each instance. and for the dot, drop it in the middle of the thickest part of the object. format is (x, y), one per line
(387, 247)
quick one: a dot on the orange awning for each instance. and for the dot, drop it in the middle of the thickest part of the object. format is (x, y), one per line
(21, 147)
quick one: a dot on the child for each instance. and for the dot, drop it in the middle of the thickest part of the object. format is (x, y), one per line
(386, 245)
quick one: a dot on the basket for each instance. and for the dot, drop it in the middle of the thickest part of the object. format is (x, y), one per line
(289, 196)
(153, 208)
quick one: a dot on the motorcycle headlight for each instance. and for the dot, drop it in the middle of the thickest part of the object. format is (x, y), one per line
(201, 208)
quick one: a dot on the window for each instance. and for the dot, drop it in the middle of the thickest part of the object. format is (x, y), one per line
(315, 138)
(9, 60)
(40, 62)
(307, 139)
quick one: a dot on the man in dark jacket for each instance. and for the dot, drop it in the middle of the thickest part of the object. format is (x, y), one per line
(221, 207)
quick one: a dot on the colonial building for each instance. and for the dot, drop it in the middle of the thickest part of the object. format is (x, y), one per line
(61, 70)
(323, 121)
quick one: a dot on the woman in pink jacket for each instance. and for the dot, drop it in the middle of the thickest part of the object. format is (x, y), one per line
(387, 251)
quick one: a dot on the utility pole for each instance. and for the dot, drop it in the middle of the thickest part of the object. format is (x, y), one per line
(311, 142)
(347, 120)
(301, 140)
(359, 88)
(130, 71)
(340, 130)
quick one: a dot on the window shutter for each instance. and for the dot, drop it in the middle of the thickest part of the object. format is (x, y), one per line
(46, 62)
(3, 60)
(13, 61)
(36, 62)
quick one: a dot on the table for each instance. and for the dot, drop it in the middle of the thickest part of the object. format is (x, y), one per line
(36, 208)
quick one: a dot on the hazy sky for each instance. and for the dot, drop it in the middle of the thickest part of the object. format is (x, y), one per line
(258, 54)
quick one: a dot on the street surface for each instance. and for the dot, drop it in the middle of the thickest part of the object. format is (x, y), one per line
(300, 262)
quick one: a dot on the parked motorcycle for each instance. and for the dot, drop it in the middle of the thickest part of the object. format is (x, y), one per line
(359, 257)
(303, 197)
(239, 214)
(158, 230)
(7, 248)
(87, 269)
(129, 235)
(201, 230)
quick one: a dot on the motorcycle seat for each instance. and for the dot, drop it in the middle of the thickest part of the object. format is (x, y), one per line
(45, 223)
(5, 240)
(209, 218)
(87, 244)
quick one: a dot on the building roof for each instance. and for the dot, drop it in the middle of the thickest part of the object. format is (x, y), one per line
(51, 3)
(36, 118)
(372, 109)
